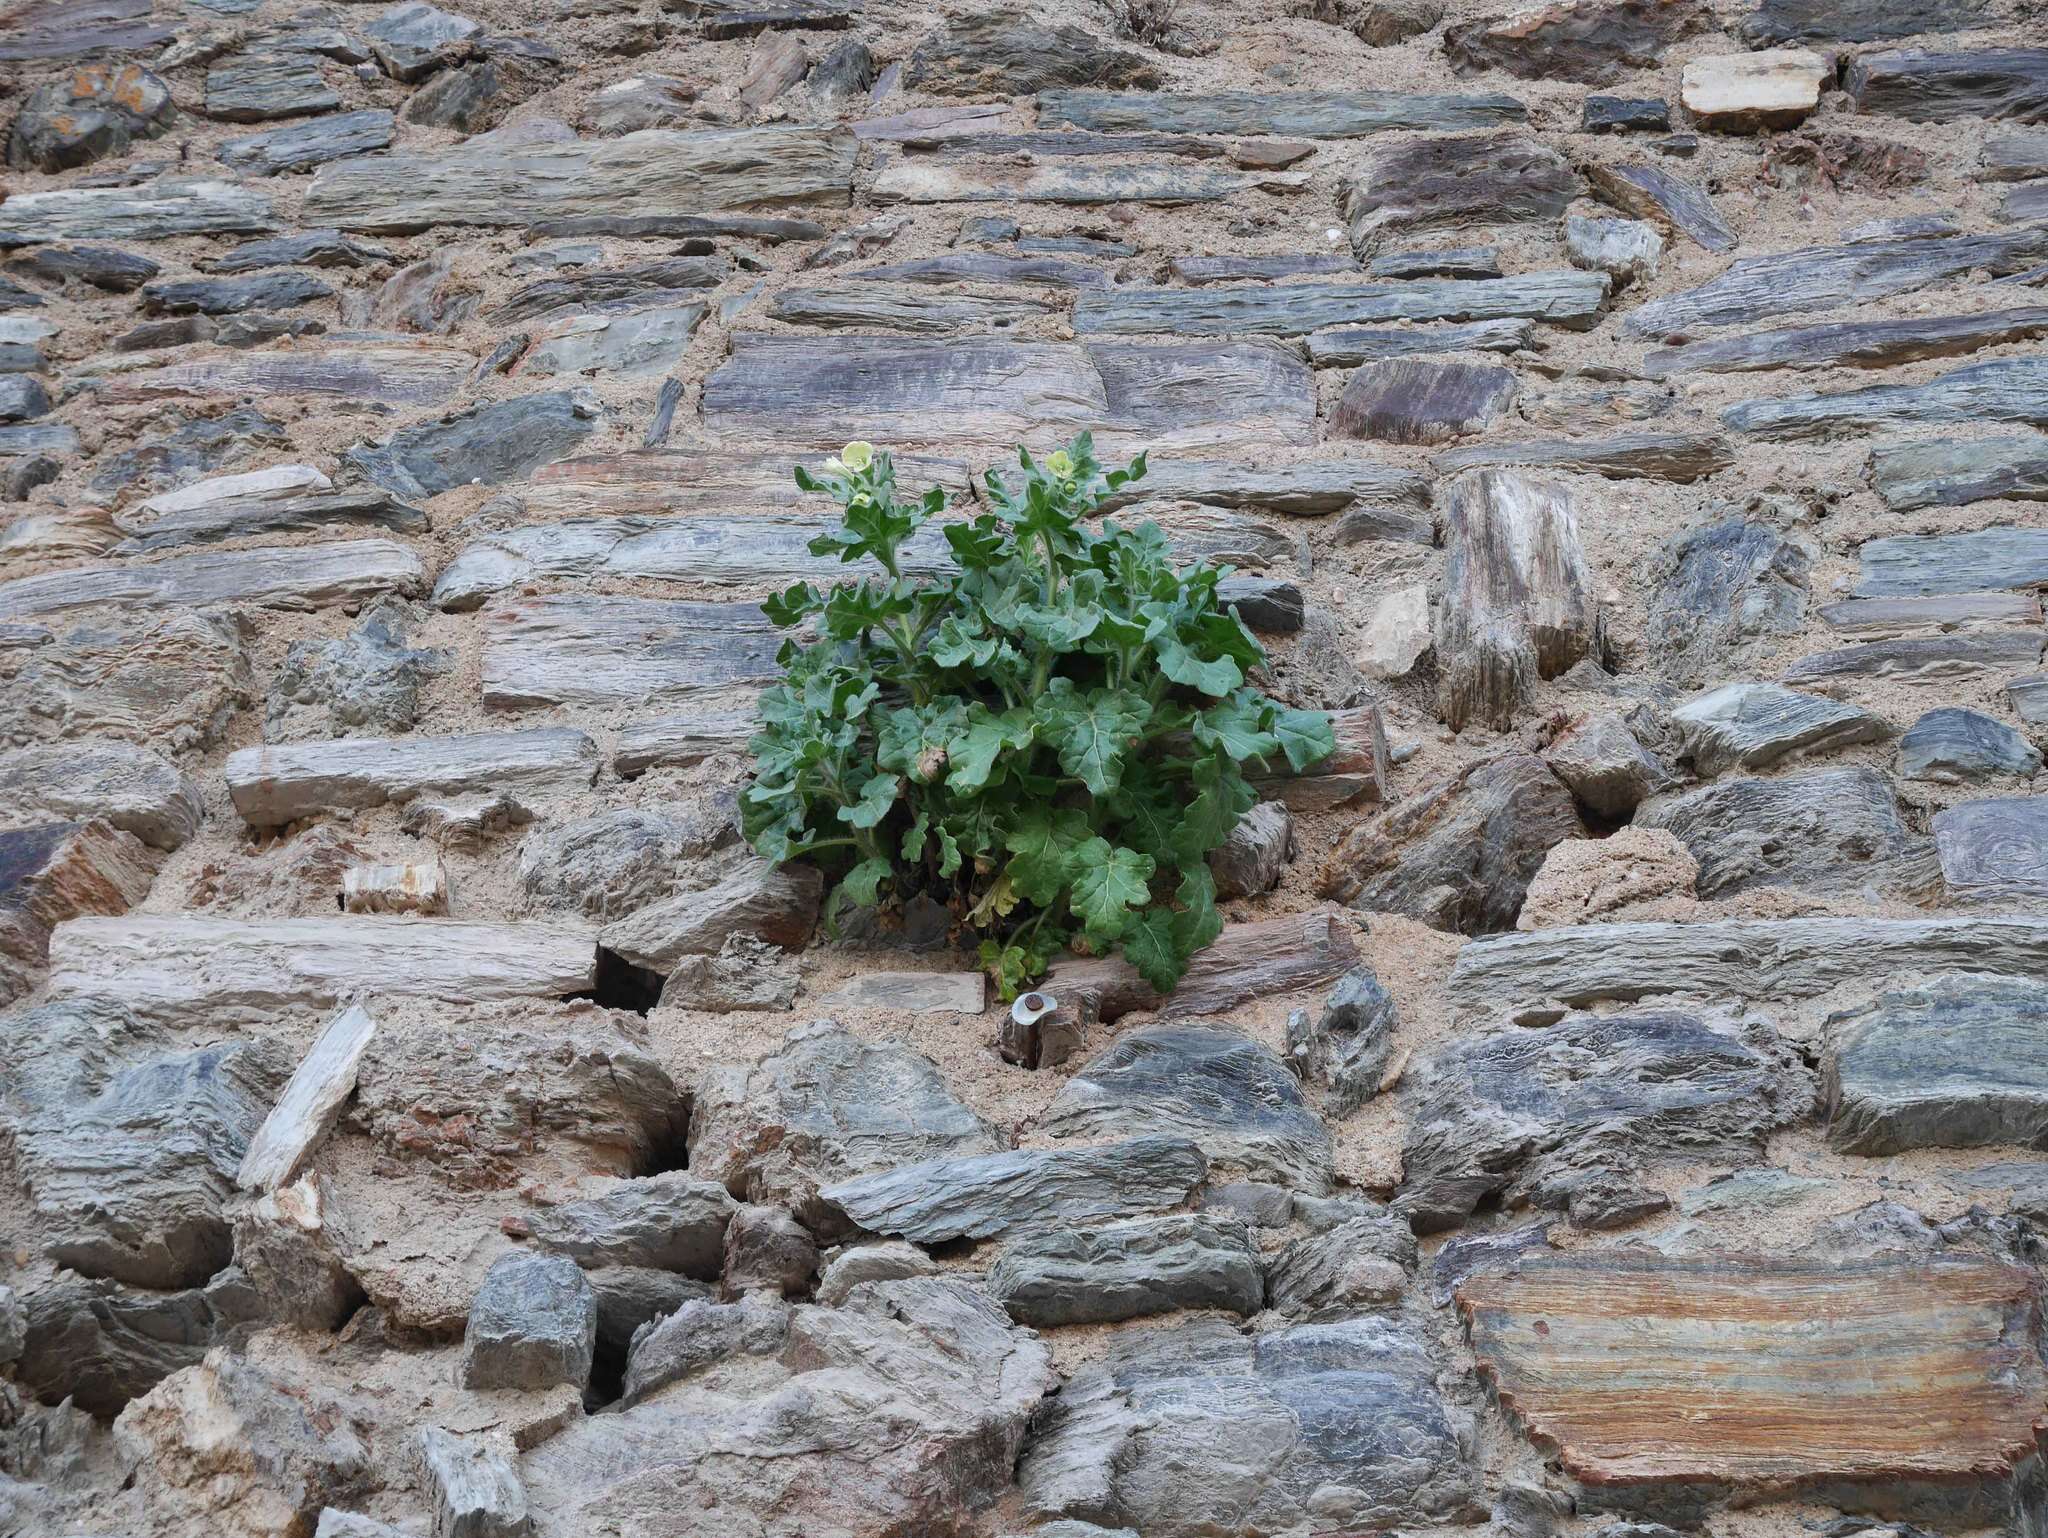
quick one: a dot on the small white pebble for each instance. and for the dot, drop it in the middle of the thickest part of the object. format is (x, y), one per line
(1333, 234)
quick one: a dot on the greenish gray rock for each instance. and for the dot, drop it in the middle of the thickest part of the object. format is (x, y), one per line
(1754, 725)
(1823, 830)
(1955, 746)
(488, 444)
(302, 146)
(1294, 114)
(1956, 473)
(1128, 1270)
(532, 1325)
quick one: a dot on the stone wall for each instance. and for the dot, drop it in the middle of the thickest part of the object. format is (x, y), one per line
(1616, 1097)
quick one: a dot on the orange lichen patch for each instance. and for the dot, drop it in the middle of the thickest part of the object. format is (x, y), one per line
(1766, 1375)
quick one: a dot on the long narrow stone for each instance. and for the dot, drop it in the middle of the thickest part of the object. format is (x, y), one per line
(1851, 344)
(1824, 277)
(1665, 1376)
(921, 179)
(280, 783)
(233, 517)
(2006, 390)
(310, 1104)
(682, 481)
(1941, 87)
(66, 29)
(157, 211)
(1917, 616)
(1680, 457)
(207, 969)
(1347, 346)
(1953, 474)
(882, 307)
(1309, 488)
(1664, 198)
(1748, 959)
(294, 577)
(493, 181)
(1922, 659)
(681, 740)
(1293, 114)
(414, 374)
(1859, 21)
(1981, 561)
(610, 651)
(1563, 297)
(1752, 725)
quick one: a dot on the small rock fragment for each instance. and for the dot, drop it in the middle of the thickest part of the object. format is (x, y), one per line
(533, 1325)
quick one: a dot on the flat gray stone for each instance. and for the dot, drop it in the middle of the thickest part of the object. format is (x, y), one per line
(1230, 1095)
(640, 651)
(254, 88)
(1821, 830)
(1753, 725)
(982, 1195)
(1859, 21)
(1994, 848)
(1720, 589)
(1953, 474)
(1922, 659)
(1343, 346)
(488, 444)
(1455, 183)
(1314, 1427)
(747, 897)
(1928, 87)
(2006, 390)
(1983, 560)
(1128, 1270)
(234, 296)
(1853, 344)
(101, 1344)
(1364, 1261)
(1562, 297)
(702, 1334)
(296, 577)
(1287, 114)
(1012, 52)
(1959, 1063)
(279, 784)
(159, 211)
(1560, 1116)
(302, 146)
(474, 1489)
(131, 787)
(671, 1222)
(533, 1325)
(407, 38)
(1346, 1047)
(1414, 401)
(1956, 746)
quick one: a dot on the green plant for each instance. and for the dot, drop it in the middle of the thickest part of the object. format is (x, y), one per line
(1042, 726)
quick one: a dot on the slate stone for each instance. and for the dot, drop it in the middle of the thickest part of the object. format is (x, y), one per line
(407, 39)
(171, 207)
(63, 29)
(129, 786)
(1719, 589)
(1556, 1116)
(1954, 746)
(638, 343)
(1590, 41)
(1921, 659)
(768, 1250)
(1754, 725)
(232, 296)
(1363, 1261)
(618, 860)
(844, 74)
(1455, 183)
(1983, 560)
(1744, 92)
(1627, 250)
(100, 1344)
(1928, 87)
(1858, 344)
(2004, 390)
(2029, 698)
(1007, 52)
(95, 111)
(533, 1325)
(981, 1195)
(669, 1222)
(1412, 401)
(255, 88)
(1996, 847)
(478, 95)
(1292, 114)
(742, 18)
(1572, 300)
(1458, 854)
(1607, 770)
(1959, 1063)
(748, 897)
(699, 1335)
(605, 650)
(22, 398)
(828, 1107)
(490, 444)
(130, 1154)
(302, 146)
(367, 681)
(631, 1296)
(472, 1487)
(1314, 1427)
(1347, 1045)
(101, 267)
(854, 1265)
(1859, 21)
(935, 179)
(1128, 1270)
(1457, 262)
(1825, 829)
(1664, 198)
(1621, 114)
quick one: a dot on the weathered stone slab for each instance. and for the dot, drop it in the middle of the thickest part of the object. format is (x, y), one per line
(92, 112)
(1573, 1115)
(1655, 1377)
(1720, 588)
(130, 787)
(1747, 959)
(533, 1325)
(1849, 344)
(787, 389)
(983, 1195)
(1996, 847)
(775, 904)
(1983, 560)
(1459, 854)
(605, 651)
(488, 444)
(1364, 1260)
(157, 211)
(674, 482)
(681, 740)
(1128, 1270)
(611, 288)
(1293, 114)
(1827, 277)
(1953, 746)
(1431, 184)
(1680, 457)
(493, 182)
(416, 374)
(1012, 52)
(474, 1488)
(1960, 1063)
(275, 785)
(1308, 488)
(1312, 1428)
(1860, 21)
(923, 179)
(740, 18)
(309, 1105)
(1564, 297)
(225, 514)
(1909, 616)
(1343, 346)
(65, 29)
(298, 577)
(302, 146)
(673, 1221)
(58, 871)
(987, 267)
(1743, 92)
(1921, 659)
(1417, 401)
(195, 967)
(1232, 1096)
(942, 993)
(254, 88)
(1520, 602)
(1753, 725)
(1954, 474)
(635, 344)
(2007, 390)
(1826, 829)
(1664, 198)
(2029, 697)
(1940, 87)
(1589, 41)
(174, 680)
(881, 307)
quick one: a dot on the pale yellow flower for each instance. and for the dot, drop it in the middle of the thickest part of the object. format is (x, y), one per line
(1060, 463)
(857, 456)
